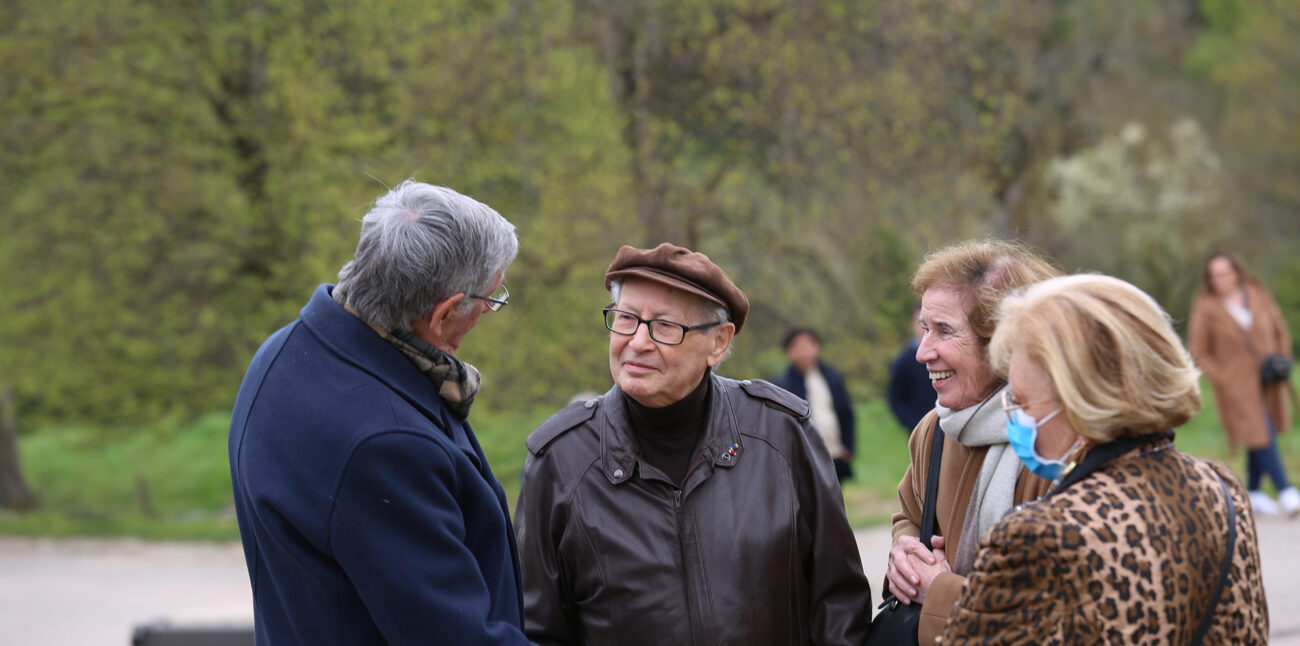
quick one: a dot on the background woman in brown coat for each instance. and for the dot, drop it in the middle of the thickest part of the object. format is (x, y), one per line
(1235, 323)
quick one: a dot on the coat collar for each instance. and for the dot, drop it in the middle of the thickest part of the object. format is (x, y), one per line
(1254, 296)
(1098, 456)
(721, 440)
(356, 343)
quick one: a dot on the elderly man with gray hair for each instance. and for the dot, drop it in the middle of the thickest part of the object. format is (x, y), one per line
(682, 507)
(367, 510)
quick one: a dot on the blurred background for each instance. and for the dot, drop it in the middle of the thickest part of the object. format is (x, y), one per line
(176, 177)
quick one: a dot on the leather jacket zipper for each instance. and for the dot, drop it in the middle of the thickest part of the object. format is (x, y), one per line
(681, 550)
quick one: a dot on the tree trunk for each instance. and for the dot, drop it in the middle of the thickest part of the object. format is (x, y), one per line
(14, 493)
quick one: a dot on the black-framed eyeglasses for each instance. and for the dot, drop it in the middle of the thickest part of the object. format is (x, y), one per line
(497, 300)
(661, 331)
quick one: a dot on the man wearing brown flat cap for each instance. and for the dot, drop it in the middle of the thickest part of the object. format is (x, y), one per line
(682, 507)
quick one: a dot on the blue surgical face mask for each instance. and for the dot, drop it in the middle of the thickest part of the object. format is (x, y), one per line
(1022, 433)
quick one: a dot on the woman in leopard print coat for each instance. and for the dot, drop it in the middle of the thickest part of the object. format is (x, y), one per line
(1130, 544)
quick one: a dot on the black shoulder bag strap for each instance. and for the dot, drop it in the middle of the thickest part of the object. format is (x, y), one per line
(931, 487)
(1219, 585)
(927, 506)
(1098, 456)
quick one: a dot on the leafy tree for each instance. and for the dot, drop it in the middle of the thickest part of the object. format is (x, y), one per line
(181, 175)
(1147, 206)
(1248, 54)
(175, 178)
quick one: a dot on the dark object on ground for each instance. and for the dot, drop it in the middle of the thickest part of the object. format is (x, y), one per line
(164, 634)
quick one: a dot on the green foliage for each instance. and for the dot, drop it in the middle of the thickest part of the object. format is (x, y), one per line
(155, 483)
(1248, 55)
(190, 171)
(1223, 15)
(1147, 206)
(175, 178)
(1285, 281)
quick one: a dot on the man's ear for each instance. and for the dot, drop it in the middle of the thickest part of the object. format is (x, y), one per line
(432, 328)
(721, 342)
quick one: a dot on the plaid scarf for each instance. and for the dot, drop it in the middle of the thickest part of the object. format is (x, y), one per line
(457, 382)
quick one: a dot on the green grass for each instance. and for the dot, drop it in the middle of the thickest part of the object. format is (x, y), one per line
(871, 497)
(158, 484)
(175, 484)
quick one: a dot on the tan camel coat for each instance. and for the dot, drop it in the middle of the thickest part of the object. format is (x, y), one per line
(1218, 345)
(958, 476)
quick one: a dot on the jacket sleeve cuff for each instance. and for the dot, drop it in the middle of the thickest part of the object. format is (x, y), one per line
(940, 600)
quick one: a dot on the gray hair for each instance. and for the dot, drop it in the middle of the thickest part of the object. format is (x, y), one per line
(707, 310)
(420, 245)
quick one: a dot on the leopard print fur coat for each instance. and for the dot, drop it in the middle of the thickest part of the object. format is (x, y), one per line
(1127, 555)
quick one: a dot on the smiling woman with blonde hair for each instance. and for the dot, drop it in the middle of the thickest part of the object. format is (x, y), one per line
(1137, 542)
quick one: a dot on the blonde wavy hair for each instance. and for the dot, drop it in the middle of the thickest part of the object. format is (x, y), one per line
(1111, 352)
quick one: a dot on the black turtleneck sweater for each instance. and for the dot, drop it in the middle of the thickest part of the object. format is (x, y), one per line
(668, 436)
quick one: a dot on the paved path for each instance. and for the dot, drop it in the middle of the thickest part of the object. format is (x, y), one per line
(87, 592)
(90, 592)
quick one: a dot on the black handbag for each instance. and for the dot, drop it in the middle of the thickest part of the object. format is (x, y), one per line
(1274, 368)
(897, 623)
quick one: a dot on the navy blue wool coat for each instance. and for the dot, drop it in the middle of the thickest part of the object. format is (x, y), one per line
(910, 393)
(367, 510)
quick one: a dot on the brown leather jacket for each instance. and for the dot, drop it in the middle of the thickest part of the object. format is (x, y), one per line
(754, 548)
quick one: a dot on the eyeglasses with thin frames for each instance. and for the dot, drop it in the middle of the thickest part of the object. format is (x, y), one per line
(661, 331)
(497, 300)
(1009, 403)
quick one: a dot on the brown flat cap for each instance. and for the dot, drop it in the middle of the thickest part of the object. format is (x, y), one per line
(682, 269)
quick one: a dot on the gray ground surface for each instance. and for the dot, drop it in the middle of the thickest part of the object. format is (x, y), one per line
(88, 592)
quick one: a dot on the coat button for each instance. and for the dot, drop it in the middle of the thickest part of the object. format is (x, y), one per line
(589, 404)
(618, 473)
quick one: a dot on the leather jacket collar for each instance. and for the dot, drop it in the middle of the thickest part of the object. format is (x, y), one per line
(721, 439)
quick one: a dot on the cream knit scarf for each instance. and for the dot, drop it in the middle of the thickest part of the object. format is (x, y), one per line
(983, 424)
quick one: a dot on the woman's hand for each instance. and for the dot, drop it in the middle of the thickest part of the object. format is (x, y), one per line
(927, 572)
(905, 557)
